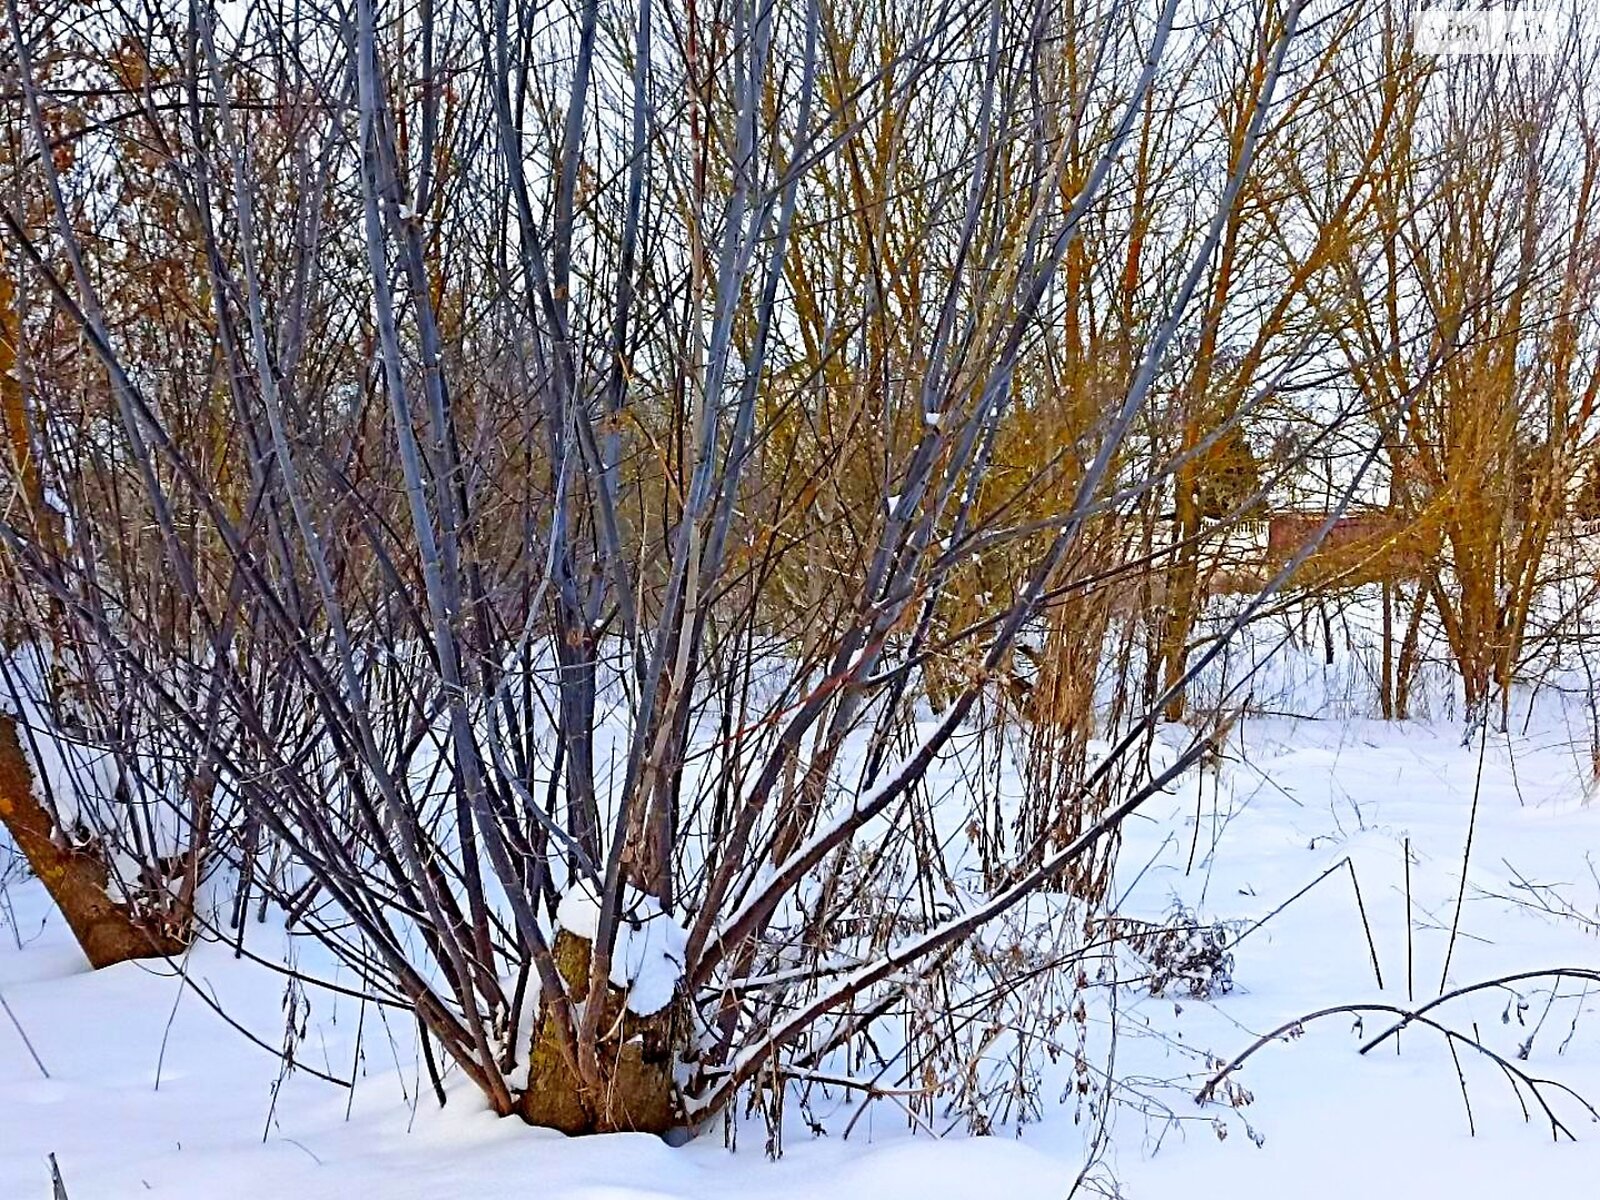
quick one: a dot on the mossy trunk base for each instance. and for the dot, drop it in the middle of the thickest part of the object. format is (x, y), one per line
(636, 1057)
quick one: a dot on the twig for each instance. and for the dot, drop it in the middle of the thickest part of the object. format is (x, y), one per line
(1472, 1128)
(1411, 993)
(166, 1032)
(1466, 858)
(1296, 1026)
(1372, 947)
(23, 1034)
(1584, 973)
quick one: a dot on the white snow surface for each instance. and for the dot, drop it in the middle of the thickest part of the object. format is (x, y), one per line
(647, 958)
(141, 1090)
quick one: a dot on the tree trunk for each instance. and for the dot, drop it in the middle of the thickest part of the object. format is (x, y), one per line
(1183, 600)
(636, 1056)
(1386, 680)
(76, 879)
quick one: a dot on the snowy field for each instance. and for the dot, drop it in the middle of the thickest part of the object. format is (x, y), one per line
(138, 1087)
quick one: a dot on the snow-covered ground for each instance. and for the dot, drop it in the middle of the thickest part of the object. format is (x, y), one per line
(139, 1088)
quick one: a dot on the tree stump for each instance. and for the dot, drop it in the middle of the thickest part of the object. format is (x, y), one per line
(636, 1059)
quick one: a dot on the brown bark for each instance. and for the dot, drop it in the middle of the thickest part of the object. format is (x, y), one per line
(76, 879)
(636, 1057)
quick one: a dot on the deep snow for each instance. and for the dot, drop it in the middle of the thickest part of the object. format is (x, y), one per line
(150, 1093)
